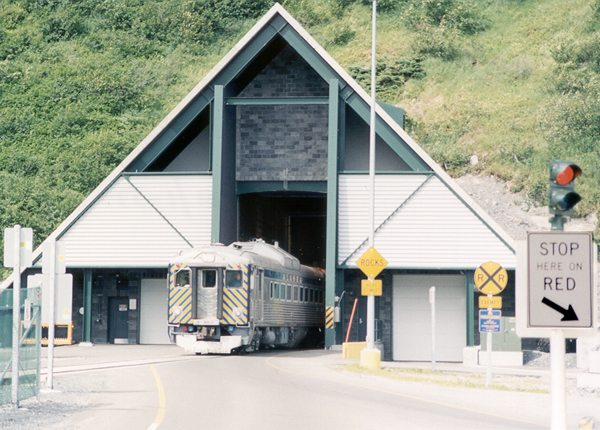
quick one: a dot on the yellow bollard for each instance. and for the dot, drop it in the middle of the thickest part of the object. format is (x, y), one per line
(370, 358)
(353, 349)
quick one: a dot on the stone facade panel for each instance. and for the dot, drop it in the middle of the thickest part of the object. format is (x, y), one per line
(283, 142)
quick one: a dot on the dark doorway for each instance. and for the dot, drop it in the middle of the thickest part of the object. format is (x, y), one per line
(297, 222)
(118, 328)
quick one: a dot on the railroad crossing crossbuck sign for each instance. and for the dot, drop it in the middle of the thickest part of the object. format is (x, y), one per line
(490, 278)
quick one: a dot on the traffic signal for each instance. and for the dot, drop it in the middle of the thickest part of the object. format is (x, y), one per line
(561, 195)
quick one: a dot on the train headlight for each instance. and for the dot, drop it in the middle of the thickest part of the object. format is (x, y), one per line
(177, 310)
(237, 312)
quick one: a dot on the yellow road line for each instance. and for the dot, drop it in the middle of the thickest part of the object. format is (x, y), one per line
(161, 401)
(269, 363)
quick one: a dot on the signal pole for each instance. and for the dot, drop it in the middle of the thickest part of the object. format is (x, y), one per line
(561, 200)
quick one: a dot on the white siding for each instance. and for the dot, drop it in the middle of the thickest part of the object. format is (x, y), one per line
(432, 229)
(124, 228)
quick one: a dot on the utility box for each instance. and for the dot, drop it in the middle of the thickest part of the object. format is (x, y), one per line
(507, 339)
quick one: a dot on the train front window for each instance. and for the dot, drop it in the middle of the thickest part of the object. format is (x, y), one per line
(233, 278)
(182, 278)
(207, 278)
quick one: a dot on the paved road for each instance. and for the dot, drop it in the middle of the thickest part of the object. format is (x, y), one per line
(272, 390)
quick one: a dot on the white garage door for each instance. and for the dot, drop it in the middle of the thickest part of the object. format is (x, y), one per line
(153, 312)
(412, 317)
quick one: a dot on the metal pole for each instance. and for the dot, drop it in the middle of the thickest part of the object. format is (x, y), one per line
(16, 315)
(558, 390)
(557, 380)
(488, 345)
(371, 297)
(51, 306)
(432, 301)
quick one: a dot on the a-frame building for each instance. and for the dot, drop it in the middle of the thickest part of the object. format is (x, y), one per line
(273, 144)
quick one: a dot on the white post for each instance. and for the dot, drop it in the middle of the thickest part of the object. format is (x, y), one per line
(51, 305)
(558, 391)
(16, 315)
(488, 346)
(371, 297)
(432, 301)
(370, 357)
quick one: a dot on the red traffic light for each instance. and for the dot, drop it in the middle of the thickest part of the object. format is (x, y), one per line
(561, 194)
(567, 175)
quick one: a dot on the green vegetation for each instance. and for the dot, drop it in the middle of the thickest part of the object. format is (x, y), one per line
(83, 82)
(515, 83)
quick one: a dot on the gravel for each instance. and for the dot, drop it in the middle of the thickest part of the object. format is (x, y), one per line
(515, 213)
(54, 408)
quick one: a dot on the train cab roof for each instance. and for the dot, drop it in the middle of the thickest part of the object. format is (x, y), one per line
(274, 252)
(217, 254)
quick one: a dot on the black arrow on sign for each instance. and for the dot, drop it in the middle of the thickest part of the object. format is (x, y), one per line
(568, 314)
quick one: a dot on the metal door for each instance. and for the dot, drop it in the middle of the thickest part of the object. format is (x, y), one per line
(118, 327)
(207, 294)
(257, 295)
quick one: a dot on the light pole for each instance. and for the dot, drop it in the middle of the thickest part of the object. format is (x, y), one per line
(370, 357)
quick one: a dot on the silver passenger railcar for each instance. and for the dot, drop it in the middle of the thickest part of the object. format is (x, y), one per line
(242, 297)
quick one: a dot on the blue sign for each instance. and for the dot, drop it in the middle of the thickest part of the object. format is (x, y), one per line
(489, 321)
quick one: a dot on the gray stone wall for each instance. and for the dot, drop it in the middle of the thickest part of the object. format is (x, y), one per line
(283, 142)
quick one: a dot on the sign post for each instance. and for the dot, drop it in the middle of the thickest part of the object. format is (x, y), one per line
(371, 263)
(432, 303)
(53, 265)
(490, 278)
(556, 299)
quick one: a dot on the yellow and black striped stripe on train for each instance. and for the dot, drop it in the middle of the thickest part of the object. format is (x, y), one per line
(180, 298)
(235, 299)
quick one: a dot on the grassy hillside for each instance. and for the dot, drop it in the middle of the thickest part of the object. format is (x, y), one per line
(497, 95)
(512, 82)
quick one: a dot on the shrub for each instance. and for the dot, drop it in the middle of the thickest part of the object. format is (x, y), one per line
(383, 5)
(339, 34)
(436, 41)
(462, 15)
(390, 77)
(11, 15)
(314, 12)
(63, 26)
(17, 41)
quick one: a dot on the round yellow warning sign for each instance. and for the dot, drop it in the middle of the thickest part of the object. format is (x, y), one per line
(490, 278)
